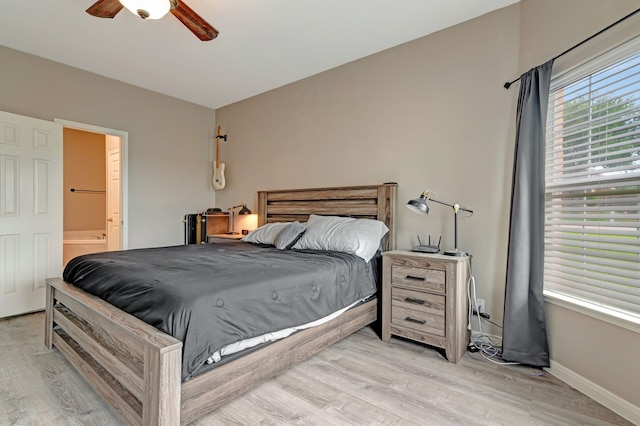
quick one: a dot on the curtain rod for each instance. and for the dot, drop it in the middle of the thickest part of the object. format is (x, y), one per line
(508, 84)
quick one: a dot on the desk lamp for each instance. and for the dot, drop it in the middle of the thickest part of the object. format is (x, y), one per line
(244, 210)
(419, 205)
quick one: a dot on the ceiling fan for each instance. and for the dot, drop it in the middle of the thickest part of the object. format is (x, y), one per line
(156, 9)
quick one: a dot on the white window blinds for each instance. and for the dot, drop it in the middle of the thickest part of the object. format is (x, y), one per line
(592, 226)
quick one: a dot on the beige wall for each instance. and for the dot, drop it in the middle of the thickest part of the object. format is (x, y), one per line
(84, 168)
(169, 140)
(431, 113)
(427, 114)
(600, 352)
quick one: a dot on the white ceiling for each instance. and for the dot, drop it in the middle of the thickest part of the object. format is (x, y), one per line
(263, 44)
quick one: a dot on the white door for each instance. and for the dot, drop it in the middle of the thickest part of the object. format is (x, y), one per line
(30, 211)
(113, 193)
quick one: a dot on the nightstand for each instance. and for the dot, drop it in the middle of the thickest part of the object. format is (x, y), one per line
(424, 298)
(223, 238)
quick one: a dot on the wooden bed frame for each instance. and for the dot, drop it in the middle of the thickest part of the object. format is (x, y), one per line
(136, 368)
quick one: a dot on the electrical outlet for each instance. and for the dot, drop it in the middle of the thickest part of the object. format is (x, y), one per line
(480, 306)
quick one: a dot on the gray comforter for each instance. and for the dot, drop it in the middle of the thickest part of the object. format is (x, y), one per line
(211, 295)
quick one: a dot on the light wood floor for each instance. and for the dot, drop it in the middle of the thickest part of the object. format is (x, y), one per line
(359, 381)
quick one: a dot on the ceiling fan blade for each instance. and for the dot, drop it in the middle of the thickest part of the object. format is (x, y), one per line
(105, 8)
(194, 22)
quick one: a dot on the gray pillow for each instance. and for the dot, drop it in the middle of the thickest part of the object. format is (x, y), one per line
(290, 235)
(356, 236)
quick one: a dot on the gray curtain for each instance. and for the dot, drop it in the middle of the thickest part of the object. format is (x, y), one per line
(524, 338)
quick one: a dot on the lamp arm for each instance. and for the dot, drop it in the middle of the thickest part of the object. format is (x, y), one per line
(440, 202)
(456, 207)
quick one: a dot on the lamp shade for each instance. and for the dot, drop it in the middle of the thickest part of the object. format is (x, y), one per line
(148, 9)
(244, 210)
(419, 205)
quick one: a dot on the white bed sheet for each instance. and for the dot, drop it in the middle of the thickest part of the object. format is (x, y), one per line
(276, 335)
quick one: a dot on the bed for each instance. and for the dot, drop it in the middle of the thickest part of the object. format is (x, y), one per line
(136, 368)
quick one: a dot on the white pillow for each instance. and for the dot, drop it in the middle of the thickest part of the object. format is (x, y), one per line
(266, 234)
(346, 234)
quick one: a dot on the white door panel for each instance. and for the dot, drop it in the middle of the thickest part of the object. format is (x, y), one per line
(113, 198)
(30, 211)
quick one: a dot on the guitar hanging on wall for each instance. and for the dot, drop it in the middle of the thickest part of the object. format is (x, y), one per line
(218, 167)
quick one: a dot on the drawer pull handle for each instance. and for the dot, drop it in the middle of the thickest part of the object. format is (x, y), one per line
(416, 301)
(411, 277)
(415, 320)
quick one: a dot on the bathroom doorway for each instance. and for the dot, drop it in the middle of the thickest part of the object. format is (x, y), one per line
(112, 158)
(95, 188)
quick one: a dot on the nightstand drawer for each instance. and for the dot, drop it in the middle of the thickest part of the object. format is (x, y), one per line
(418, 278)
(423, 302)
(418, 320)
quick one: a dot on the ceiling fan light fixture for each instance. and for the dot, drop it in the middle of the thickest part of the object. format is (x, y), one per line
(148, 9)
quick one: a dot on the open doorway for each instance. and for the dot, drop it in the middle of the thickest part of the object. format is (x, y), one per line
(95, 189)
(113, 182)
(85, 193)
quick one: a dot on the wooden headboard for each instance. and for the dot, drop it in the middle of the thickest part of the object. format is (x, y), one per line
(371, 202)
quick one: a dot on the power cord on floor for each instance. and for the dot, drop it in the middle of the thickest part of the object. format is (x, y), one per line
(481, 343)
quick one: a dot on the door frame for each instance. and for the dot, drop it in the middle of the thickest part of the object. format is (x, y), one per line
(124, 170)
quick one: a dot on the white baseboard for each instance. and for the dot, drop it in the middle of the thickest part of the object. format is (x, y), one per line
(596, 392)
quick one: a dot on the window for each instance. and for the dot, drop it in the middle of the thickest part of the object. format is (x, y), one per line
(592, 182)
